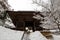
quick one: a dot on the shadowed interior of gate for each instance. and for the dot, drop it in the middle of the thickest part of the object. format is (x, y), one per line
(22, 19)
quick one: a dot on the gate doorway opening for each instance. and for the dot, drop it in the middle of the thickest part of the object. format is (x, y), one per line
(30, 25)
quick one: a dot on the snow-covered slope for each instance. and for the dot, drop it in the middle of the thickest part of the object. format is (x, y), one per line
(8, 34)
(37, 36)
(56, 37)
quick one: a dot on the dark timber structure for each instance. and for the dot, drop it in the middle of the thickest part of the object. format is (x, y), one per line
(22, 19)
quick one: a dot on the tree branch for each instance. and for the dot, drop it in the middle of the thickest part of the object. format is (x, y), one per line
(41, 5)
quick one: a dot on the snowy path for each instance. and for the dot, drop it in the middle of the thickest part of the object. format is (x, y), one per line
(8, 34)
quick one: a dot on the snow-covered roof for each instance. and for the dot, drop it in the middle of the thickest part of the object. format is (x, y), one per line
(23, 5)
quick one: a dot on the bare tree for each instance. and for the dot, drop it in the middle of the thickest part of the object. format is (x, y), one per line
(3, 8)
(4, 17)
(50, 9)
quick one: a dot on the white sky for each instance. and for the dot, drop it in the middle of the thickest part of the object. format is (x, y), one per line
(19, 5)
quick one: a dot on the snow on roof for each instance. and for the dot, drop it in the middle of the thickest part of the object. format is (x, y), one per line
(23, 5)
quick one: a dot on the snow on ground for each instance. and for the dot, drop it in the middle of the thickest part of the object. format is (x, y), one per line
(56, 30)
(8, 34)
(56, 37)
(37, 36)
(55, 34)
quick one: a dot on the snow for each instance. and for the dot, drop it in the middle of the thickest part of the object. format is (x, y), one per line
(56, 37)
(23, 5)
(56, 30)
(26, 5)
(9, 23)
(20, 4)
(8, 34)
(36, 36)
